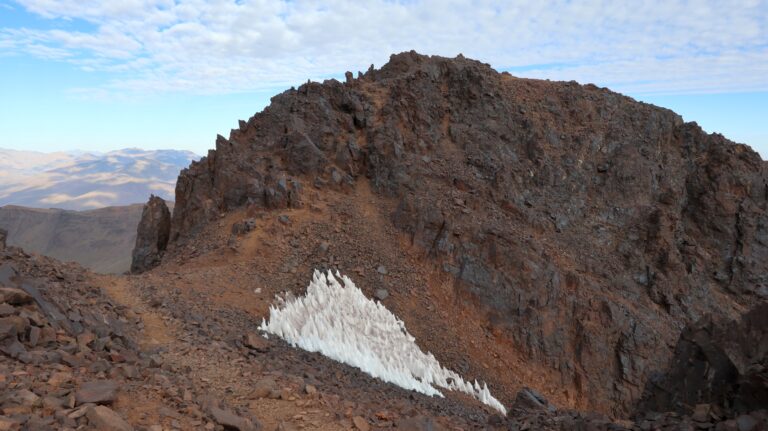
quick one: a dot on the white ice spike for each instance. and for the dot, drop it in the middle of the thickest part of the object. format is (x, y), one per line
(336, 319)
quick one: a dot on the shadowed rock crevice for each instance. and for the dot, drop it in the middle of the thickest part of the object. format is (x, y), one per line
(719, 363)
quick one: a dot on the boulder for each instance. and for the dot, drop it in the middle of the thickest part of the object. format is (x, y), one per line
(718, 362)
(14, 296)
(9, 424)
(528, 400)
(244, 226)
(230, 420)
(256, 342)
(12, 326)
(361, 424)
(97, 392)
(103, 418)
(264, 388)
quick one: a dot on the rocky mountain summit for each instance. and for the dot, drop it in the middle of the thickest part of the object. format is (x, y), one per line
(582, 228)
(592, 258)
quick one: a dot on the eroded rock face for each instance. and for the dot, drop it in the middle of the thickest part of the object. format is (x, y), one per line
(720, 363)
(3, 238)
(152, 235)
(587, 227)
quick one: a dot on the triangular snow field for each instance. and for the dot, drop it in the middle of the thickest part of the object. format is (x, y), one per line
(342, 324)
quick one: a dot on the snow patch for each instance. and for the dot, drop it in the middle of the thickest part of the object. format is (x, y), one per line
(341, 323)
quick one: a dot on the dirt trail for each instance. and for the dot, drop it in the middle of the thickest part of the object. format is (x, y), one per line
(155, 331)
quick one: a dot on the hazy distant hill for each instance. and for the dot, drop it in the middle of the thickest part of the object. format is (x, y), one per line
(80, 181)
(100, 239)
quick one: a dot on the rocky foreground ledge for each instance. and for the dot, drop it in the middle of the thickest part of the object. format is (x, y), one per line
(80, 351)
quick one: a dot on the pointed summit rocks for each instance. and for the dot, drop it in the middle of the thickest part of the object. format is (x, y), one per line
(152, 235)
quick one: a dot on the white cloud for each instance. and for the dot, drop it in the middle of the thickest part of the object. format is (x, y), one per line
(197, 46)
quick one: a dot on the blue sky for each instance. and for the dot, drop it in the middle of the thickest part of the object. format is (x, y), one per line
(102, 75)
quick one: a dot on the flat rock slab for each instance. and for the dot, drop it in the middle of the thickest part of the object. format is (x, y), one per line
(97, 392)
(105, 419)
(230, 420)
(361, 424)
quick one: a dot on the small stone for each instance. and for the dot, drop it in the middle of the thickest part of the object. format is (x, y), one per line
(284, 219)
(9, 424)
(285, 394)
(256, 342)
(361, 424)
(36, 422)
(86, 338)
(7, 329)
(26, 397)
(701, 413)
(58, 378)
(105, 419)
(14, 296)
(381, 294)
(98, 392)
(336, 176)
(7, 310)
(12, 325)
(244, 226)
(34, 335)
(229, 419)
(310, 389)
(53, 403)
(381, 270)
(746, 423)
(14, 349)
(264, 388)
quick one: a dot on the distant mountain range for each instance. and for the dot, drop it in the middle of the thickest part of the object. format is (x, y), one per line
(84, 181)
(100, 239)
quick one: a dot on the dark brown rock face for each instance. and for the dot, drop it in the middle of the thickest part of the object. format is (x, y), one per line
(152, 235)
(3, 238)
(588, 228)
(724, 364)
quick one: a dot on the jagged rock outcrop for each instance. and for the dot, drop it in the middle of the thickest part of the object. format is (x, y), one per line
(586, 227)
(3, 238)
(719, 363)
(152, 235)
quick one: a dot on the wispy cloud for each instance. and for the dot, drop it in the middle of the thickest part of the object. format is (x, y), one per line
(212, 47)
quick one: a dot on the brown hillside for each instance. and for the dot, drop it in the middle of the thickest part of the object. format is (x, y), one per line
(535, 233)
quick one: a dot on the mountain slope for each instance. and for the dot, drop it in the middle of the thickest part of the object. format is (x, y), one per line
(573, 229)
(100, 239)
(88, 181)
